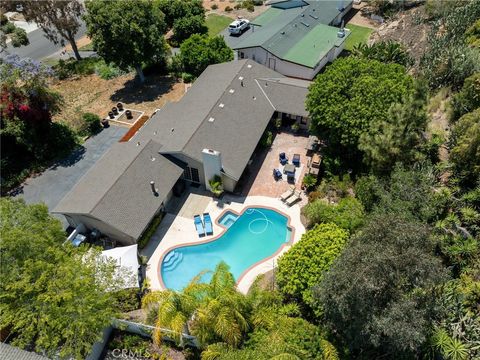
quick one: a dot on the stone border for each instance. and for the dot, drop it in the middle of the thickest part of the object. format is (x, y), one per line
(245, 272)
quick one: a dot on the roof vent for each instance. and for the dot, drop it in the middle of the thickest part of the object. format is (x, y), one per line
(155, 132)
(240, 78)
(172, 130)
(249, 66)
(152, 158)
(222, 105)
(138, 143)
(212, 119)
(152, 186)
(283, 33)
(304, 23)
(231, 91)
(254, 98)
(302, 15)
(314, 16)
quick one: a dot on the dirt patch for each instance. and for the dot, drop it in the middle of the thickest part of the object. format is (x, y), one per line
(85, 40)
(222, 4)
(93, 94)
(357, 17)
(408, 28)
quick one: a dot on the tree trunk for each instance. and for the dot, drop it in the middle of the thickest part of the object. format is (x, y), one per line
(140, 73)
(71, 39)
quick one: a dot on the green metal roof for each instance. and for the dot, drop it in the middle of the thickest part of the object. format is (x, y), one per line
(299, 34)
(267, 16)
(314, 45)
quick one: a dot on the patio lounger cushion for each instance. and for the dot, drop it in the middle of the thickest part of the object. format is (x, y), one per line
(277, 173)
(287, 194)
(296, 159)
(294, 198)
(199, 225)
(207, 220)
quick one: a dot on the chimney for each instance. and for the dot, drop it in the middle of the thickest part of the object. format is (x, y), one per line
(152, 186)
(212, 165)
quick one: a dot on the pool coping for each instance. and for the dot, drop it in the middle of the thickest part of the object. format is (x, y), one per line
(224, 229)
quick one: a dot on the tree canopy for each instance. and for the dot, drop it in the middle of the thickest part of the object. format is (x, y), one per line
(377, 295)
(304, 265)
(350, 96)
(185, 27)
(199, 51)
(465, 148)
(384, 51)
(467, 99)
(127, 33)
(179, 9)
(53, 297)
(59, 20)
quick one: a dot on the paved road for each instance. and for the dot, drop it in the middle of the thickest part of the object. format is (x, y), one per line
(233, 40)
(40, 47)
(54, 183)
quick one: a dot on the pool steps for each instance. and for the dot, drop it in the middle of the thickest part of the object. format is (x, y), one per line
(172, 260)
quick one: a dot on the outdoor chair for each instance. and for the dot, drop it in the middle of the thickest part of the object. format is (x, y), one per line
(283, 158)
(296, 160)
(207, 220)
(294, 198)
(197, 220)
(287, 193)
(277, 174)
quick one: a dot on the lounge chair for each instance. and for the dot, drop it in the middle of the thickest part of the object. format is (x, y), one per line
(294, 198)
(296, 160)
(287, 194)
(207, 220)
(199, 225)
(277, 174)
(283, 158)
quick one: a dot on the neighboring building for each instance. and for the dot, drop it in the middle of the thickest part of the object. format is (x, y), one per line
(213, 130)
(296, 38)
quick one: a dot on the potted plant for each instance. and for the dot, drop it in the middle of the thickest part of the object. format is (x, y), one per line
(216, 186)
(278, 123)
(295, 127)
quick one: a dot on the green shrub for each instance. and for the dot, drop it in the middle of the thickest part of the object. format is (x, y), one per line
(248, 5)
(216, 185)
(267, 139)
(107, 71)
(348, 213)
(228, 9)
(303, 266)
(237, 6)
(19, 37)
(148, 233)
(188, 78)
(127, 300)
(67, 68)
(8, 28)
(3, 19)
(468, 99)
(91, 124)
(309, 181)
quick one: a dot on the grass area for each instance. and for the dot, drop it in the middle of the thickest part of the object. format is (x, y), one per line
(88, 47)
(217, 23)
(359, 34)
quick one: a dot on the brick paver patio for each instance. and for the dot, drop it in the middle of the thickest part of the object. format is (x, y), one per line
(261, 181)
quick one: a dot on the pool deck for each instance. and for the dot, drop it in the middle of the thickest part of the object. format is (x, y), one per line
(177, 230)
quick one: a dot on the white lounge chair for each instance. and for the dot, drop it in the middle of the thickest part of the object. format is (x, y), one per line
(294, 198)
(287, 194)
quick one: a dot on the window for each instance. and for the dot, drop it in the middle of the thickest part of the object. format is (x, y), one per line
(186, 174)
(242, 55)
(195, 175)
(302, 120)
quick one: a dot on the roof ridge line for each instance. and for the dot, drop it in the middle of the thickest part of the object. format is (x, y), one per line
(215, 104)
(265, 94)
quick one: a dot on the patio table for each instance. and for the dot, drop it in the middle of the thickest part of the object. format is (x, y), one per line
(289, 168)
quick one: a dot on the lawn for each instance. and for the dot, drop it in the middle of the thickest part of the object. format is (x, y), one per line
(88, 47)
(359, 34)
(217, 23)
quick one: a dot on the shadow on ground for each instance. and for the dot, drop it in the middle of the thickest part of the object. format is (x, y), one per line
(136, 93)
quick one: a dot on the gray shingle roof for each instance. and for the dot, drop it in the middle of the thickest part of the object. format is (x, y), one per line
(8, 352)
(238, 125)
(117, 188)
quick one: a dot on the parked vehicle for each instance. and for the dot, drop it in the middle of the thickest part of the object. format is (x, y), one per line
(238, 26)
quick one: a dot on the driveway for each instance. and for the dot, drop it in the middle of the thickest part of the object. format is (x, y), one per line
(55, 182)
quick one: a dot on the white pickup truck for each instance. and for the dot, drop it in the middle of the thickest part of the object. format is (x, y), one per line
(238, 26)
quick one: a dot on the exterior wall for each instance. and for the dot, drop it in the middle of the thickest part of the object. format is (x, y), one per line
(228, 183)
(94, 223)
(337, 21)
(192, 163)
(212, 165)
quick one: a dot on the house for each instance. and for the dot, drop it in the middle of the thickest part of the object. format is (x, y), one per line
(213, 130)
(297, 38)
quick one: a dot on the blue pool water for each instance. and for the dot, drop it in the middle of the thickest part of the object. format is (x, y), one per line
(228, 219)
(255, 235)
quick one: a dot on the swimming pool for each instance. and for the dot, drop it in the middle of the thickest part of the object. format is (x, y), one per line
(255, 235)
(228, 219)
